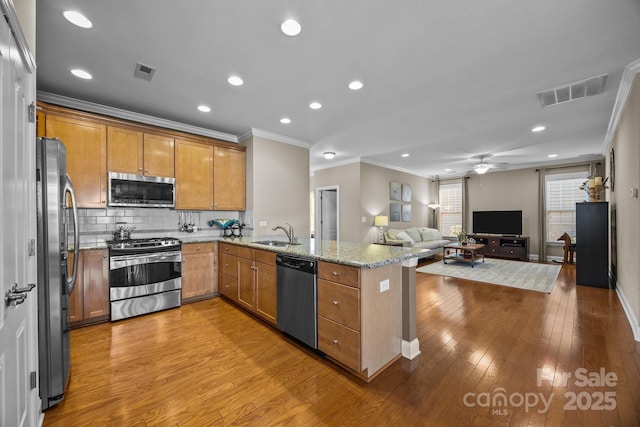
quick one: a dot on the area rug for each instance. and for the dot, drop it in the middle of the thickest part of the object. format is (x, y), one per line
(515, 274)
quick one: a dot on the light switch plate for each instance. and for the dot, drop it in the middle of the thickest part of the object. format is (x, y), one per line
(384, 285)
(364, 219)
(263, 223)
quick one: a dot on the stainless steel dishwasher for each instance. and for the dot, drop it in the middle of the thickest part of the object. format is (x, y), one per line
(298, 298)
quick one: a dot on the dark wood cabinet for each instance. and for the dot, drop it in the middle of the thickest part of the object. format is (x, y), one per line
(592, 244)
(504, 247)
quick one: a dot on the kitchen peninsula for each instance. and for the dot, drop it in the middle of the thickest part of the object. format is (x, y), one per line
(365, 312)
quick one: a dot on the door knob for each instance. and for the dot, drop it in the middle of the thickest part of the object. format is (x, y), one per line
(16, 295)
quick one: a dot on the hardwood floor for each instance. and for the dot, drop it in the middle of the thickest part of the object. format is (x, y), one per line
(208, 363)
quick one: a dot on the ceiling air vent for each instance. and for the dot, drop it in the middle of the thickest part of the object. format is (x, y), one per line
(573, 91)
(144, 72)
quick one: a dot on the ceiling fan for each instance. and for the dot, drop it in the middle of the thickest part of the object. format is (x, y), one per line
(483, 167)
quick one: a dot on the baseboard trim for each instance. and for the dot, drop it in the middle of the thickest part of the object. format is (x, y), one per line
(633, 321)
(410, 350)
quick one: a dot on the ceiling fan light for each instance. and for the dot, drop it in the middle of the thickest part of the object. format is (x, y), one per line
(481, 169)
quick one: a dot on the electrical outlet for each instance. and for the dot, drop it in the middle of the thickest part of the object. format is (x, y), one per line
(384, 285)
(247, 220)
(263, 223)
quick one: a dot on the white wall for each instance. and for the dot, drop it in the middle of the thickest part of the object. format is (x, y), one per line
(625, 209)
(364, 193)
(277, 186)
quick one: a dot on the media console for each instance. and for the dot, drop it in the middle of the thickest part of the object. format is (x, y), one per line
(504, 247)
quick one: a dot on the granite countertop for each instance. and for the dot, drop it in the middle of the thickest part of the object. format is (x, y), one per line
(363, 255)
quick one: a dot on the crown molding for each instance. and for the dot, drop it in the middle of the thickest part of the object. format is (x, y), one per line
(91, 107)
(624, 89)
(395, 168)
(274, 137)
(335, 164)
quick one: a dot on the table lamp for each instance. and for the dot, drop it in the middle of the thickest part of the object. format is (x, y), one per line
(381, 221)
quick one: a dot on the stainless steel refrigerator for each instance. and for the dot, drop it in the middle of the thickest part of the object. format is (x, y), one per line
(53, 189)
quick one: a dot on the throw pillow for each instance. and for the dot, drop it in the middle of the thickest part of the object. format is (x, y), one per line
(430, 234)
(404, 236)
(413, 233)
(393, 233)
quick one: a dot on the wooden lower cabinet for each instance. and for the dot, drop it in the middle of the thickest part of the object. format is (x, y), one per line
(89, 300)
(359, 323)
(249, 279)
(199, 278)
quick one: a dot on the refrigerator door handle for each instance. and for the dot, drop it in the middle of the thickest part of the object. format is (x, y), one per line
(68, 189)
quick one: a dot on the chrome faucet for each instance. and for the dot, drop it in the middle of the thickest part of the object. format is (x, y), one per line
(288, 232)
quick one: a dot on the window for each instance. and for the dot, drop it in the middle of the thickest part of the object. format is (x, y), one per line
(450, 208)
(562, 194)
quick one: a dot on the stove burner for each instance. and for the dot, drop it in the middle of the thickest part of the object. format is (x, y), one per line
(150, 243)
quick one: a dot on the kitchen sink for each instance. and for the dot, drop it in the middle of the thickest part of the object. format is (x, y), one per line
(274, 243)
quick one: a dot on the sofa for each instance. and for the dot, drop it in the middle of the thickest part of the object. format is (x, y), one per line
(419, 237)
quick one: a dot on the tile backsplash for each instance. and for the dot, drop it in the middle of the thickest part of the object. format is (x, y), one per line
(97, 225)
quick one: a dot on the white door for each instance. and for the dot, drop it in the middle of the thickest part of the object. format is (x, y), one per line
(328, 214)
(19, 402)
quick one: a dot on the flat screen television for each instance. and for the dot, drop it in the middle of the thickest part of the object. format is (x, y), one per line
(497, 222)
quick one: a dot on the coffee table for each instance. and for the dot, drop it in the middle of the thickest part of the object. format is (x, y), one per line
(464, 253)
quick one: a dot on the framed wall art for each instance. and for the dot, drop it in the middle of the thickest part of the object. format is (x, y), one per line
(406, 193)
(394, 212)
(406, 213)
(395, 190)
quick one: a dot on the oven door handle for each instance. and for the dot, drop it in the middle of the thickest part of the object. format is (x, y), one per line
(129, 260)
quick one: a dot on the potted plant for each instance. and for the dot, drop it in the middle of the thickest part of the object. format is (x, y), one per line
(462, 237)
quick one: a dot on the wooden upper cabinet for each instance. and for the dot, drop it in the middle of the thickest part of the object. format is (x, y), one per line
(228, 179)
(194, 170)
(124, 151)
(86, 144)
(138, 153)
(159, 155)
(40, 124)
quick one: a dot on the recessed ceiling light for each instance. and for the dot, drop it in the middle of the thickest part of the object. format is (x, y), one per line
(81, 74)
(315, 106)
(291, 27)
(235, 81)
(285, 120)
(405, 155)
(329, 155)
(447, 170)
(552, 155)
(538, 128)
(76, 18)
(204, 108)
(355, 85)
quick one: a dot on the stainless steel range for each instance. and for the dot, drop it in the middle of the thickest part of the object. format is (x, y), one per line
(145, 275)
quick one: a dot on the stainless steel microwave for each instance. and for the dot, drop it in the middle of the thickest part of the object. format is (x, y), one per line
(141, 191)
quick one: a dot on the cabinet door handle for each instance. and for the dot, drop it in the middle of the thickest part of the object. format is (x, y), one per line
(104, 256)
(197, 248)
(335, 342)
(335, 302)
(335, 273)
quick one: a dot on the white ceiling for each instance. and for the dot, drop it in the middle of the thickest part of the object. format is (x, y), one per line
(444, 81)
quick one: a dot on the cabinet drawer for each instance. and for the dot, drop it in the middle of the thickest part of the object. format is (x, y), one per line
(246, 253)
(226, 248)
(339, 343)
(339, 303)
(345, 274)
(229, 287)
(229, 266)
(513, 252)
(197, 248)
(265, 257)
